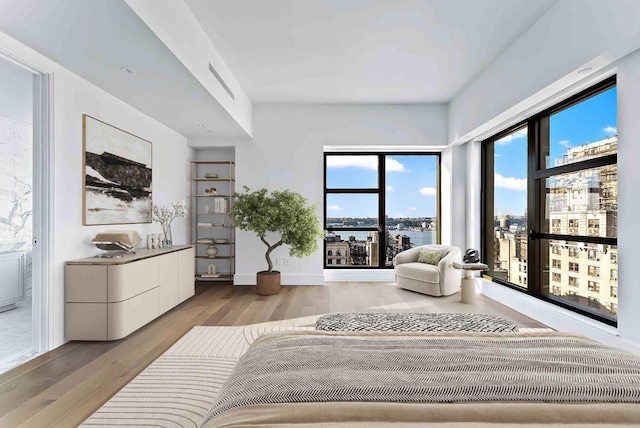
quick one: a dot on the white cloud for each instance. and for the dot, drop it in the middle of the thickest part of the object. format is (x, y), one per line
(516, 135)
(335, 208)
(389, 189)
(428, 191)
(511, 183)
(366, 162)
(413, 209)
(393, 165)
(611, 130)
(565, 143)
(496, 155)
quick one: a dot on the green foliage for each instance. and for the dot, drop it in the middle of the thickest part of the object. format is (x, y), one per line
(284, 212)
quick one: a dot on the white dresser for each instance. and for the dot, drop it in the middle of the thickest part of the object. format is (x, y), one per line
(108, 299)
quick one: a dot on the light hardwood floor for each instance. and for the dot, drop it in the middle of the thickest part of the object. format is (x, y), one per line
(63, 387)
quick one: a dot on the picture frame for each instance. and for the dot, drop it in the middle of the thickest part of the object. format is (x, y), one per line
(117, 171)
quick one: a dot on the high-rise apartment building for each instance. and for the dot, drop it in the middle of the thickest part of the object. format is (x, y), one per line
(582, 203)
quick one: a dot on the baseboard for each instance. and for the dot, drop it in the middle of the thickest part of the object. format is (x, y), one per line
(359, 275)
(285, 279)
(556, 317)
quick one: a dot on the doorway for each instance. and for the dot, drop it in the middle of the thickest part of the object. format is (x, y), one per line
(24, 206)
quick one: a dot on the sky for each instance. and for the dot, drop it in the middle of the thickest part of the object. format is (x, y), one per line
(410, 185)
(589, 121)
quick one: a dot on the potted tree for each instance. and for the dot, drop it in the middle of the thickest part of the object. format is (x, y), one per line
(285, 213)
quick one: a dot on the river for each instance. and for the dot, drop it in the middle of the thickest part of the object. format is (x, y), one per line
(416, 237)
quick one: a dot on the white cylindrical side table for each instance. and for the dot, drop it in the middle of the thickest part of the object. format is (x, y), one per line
(468, 287)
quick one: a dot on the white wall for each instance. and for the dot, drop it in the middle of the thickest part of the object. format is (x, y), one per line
(217, 154)
(628, 202)
(453, 208)
(74, 97)
(286, 152)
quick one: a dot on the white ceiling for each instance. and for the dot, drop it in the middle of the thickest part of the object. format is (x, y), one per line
(328, 51)
(361, 51)
(94, 38)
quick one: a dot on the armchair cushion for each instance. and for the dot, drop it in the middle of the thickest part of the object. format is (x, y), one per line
(431, 257)
(419, 272)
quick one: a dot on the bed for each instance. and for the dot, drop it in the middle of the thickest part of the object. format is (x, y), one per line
(445, 379)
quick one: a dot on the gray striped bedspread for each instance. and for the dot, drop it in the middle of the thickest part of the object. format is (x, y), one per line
(437, 368)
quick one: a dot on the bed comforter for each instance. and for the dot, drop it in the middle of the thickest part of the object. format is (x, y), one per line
(408, 379)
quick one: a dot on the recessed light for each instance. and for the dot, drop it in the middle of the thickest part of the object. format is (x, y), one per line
(202, 125)
(127, 70)
(585, 70)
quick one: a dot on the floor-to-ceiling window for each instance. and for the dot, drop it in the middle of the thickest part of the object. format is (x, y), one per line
(377, 205)
(550, 204)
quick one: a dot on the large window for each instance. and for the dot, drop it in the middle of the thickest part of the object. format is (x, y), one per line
(550, 203)
(509, 190)
(377, 205)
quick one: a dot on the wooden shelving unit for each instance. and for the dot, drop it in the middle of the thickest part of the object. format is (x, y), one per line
(209, 223)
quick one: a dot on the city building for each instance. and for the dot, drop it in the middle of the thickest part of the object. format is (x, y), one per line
(583, 203)
(338, 253)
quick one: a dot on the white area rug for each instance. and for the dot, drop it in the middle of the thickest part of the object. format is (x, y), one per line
(178, 388)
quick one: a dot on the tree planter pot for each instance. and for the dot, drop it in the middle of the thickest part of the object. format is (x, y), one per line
(268, 283)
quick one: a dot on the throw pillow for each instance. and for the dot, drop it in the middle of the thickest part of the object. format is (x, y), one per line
(431, 257)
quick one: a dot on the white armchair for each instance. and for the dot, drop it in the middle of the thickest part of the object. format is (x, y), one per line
(440, 280)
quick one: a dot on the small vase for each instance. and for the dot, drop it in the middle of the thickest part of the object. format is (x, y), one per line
(212, 250)
(167, 241)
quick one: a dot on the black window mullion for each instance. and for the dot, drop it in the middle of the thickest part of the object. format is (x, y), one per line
(438, 200)
(382, 219)
(604, 240)
(351, 190)
(577, 166)
(486, 202)
(534, 250)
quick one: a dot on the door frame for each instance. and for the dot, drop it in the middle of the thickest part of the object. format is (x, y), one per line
(43, 190)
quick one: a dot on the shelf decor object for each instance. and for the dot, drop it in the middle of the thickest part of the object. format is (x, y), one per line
(165, 216)
(212, 251)
(116, 243)
(212, 231)
(116, 182)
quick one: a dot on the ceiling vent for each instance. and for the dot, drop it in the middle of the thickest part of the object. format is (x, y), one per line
(219, 79)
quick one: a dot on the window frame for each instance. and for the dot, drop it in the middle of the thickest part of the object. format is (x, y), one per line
(381, 191)
(537, 173)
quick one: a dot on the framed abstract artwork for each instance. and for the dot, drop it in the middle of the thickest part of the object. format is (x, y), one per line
(117, 175)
